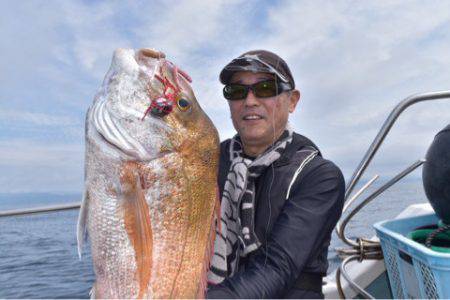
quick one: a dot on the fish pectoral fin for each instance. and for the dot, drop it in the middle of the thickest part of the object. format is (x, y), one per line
(137, 223)
(82, 220)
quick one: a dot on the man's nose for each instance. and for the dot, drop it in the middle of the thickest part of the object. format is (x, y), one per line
(251, 99)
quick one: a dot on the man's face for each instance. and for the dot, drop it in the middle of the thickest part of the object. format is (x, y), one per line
(260, 121)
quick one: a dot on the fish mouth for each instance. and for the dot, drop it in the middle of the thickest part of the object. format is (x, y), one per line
(121, 114)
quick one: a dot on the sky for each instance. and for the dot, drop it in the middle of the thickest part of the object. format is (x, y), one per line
(353, 61)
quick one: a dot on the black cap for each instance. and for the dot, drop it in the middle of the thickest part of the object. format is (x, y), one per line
(258, 61)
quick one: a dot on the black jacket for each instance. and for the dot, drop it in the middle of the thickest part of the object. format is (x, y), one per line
(295, 233)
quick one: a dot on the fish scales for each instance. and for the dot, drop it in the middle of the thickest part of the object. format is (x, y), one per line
(150, 182)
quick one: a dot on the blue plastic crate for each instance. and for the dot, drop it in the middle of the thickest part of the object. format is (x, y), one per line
(414, 270)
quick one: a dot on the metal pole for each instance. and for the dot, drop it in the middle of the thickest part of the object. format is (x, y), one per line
(353, 284)
(385, 130)
(372, 196)
(19, 212)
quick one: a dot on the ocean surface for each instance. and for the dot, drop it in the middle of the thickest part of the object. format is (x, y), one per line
(38, 253)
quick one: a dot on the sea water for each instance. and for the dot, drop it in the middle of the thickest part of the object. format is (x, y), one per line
(38, 253)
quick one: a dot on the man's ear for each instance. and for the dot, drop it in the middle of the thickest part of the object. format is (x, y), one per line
(293, 100)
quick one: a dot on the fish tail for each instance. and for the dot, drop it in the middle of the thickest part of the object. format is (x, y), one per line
(137, 223)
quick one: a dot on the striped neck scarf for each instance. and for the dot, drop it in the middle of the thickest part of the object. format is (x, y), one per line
(236, 236)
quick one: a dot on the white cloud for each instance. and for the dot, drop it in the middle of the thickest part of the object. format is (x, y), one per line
(353, 62)
(16, 152)
(188, 31)
(32, 118)
(29, 166)
(95, 31)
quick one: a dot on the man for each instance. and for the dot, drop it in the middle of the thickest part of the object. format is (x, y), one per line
(280, 200)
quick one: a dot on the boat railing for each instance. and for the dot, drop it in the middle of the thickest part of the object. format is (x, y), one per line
(370, 153)
(407, 102)
(365, 248)
(41, 209)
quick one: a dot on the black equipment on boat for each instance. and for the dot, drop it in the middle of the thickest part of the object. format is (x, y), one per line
(436, 174)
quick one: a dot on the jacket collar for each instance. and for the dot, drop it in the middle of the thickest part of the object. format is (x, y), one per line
(298, 142)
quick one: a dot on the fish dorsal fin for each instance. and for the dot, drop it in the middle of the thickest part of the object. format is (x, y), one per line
(81, 225)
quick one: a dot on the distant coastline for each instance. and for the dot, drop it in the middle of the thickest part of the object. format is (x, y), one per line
(16, 200)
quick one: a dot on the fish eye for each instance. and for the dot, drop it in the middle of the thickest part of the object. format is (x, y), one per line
(183, 104)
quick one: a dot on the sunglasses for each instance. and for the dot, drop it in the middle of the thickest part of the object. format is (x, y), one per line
(263, 89)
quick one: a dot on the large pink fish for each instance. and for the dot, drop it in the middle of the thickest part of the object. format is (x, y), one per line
(150, 182)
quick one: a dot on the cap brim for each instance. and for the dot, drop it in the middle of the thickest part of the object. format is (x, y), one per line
(241, 65)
